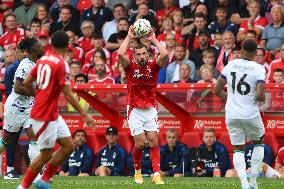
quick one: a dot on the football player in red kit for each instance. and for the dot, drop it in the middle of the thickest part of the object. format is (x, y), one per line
(142, 74)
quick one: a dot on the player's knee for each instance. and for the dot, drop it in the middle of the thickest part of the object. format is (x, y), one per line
(139, 145)
(153, 142)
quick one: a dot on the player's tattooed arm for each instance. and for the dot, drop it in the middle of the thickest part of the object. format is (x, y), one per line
(260, 92)
(25, 87)
(219, 88)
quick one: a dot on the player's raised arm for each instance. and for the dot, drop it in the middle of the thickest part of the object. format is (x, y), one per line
(219, 88)
(163, 57)
(28, 88)
(260, 93)
(122, 57)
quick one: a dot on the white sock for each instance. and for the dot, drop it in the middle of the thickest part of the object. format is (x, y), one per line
(271, 173)
(256, 162)
(9, 169)
(20, 187)
(240, 166)
(156, 174)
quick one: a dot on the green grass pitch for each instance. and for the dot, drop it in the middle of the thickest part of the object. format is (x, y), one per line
(127, 183)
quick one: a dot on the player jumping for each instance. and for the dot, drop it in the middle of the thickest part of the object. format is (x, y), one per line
(142, 74)
(245, 85)
(51, 74)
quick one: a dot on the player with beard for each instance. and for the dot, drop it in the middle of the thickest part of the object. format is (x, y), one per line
(142, 74)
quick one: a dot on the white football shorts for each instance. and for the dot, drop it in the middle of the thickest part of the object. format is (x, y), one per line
(142, 119)
(53, 131)
(241, 130)
(16, 117)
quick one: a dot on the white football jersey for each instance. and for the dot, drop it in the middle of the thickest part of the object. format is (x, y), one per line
(242, 77)
(20, 102)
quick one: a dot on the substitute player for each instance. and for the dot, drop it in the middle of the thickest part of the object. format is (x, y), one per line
(245, 85)
(142, 74)
(19, 104)
(51, 74)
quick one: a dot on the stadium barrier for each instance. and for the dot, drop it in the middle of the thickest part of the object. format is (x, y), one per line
(188, 108)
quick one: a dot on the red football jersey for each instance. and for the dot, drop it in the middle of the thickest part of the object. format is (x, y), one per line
(77, 54)
(142, 84)
(86, 44)
(10, 40)
(260, 22)
(280, 156)
(51, 73)
(279, 63)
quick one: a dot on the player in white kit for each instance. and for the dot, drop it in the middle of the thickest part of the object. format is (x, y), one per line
(18, 105)
(245, 89)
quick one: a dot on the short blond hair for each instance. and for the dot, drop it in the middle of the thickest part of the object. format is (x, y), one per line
(206, 66)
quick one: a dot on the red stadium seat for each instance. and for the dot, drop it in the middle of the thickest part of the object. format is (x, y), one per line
(93, 142)
(191, 139)
(162, 139)
(225, 139)
(270, 139)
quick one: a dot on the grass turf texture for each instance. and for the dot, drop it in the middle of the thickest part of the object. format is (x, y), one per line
(128, 183)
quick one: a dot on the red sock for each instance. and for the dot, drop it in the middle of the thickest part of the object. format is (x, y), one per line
(137, 158)
(29, 178)
(49, 171)
(155, 158)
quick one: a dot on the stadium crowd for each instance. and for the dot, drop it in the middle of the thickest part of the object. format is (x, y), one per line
(200, 41)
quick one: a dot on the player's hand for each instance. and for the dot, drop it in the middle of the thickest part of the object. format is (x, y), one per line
(90, 121)
(131, 33)
(152, 36)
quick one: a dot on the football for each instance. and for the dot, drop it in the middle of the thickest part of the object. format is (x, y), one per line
(142, 27)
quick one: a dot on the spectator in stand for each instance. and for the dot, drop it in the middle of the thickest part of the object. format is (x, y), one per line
(111, 159)
(225, 54)
(121, 78)
(213, 154)
(178, 20)
(98, 44)
(260, 58)
(206, 74)
(98, 14)
(169, 9)
(185, 74)
(75, 69)
(267, 171)
(86, 42)
(80, 162)
(173, 69)
(218, 41)
(268, 6)
(146, 164)
(111, 27)
(112, 43)
(251, 34)
(54, 13)
(172, 155)
(26, 12)
(13, 35)
(191, 31)
(203, 43)
(9, 59)
(101, 77)
(279, 63)
(65, 22)
(43, 39)
(170, 42)
(83, 5)
(33, 28)
(77, 52)
(202, 9)
(230, 5)
(254, 22)
(89, 69)
(273, 34)
(208, 58)
(222, 24)
(189, 11)
(43, 16)
(168, 27)
(79, 80)
(134, 9)
(279, 165)
(126, 3)
(144, 12)
(278, 76)
(236, 52)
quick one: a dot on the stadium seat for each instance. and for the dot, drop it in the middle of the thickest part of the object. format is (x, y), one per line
(225, 139)
(162, 139)
(270, 139)
(191, 139)
(93, 142)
